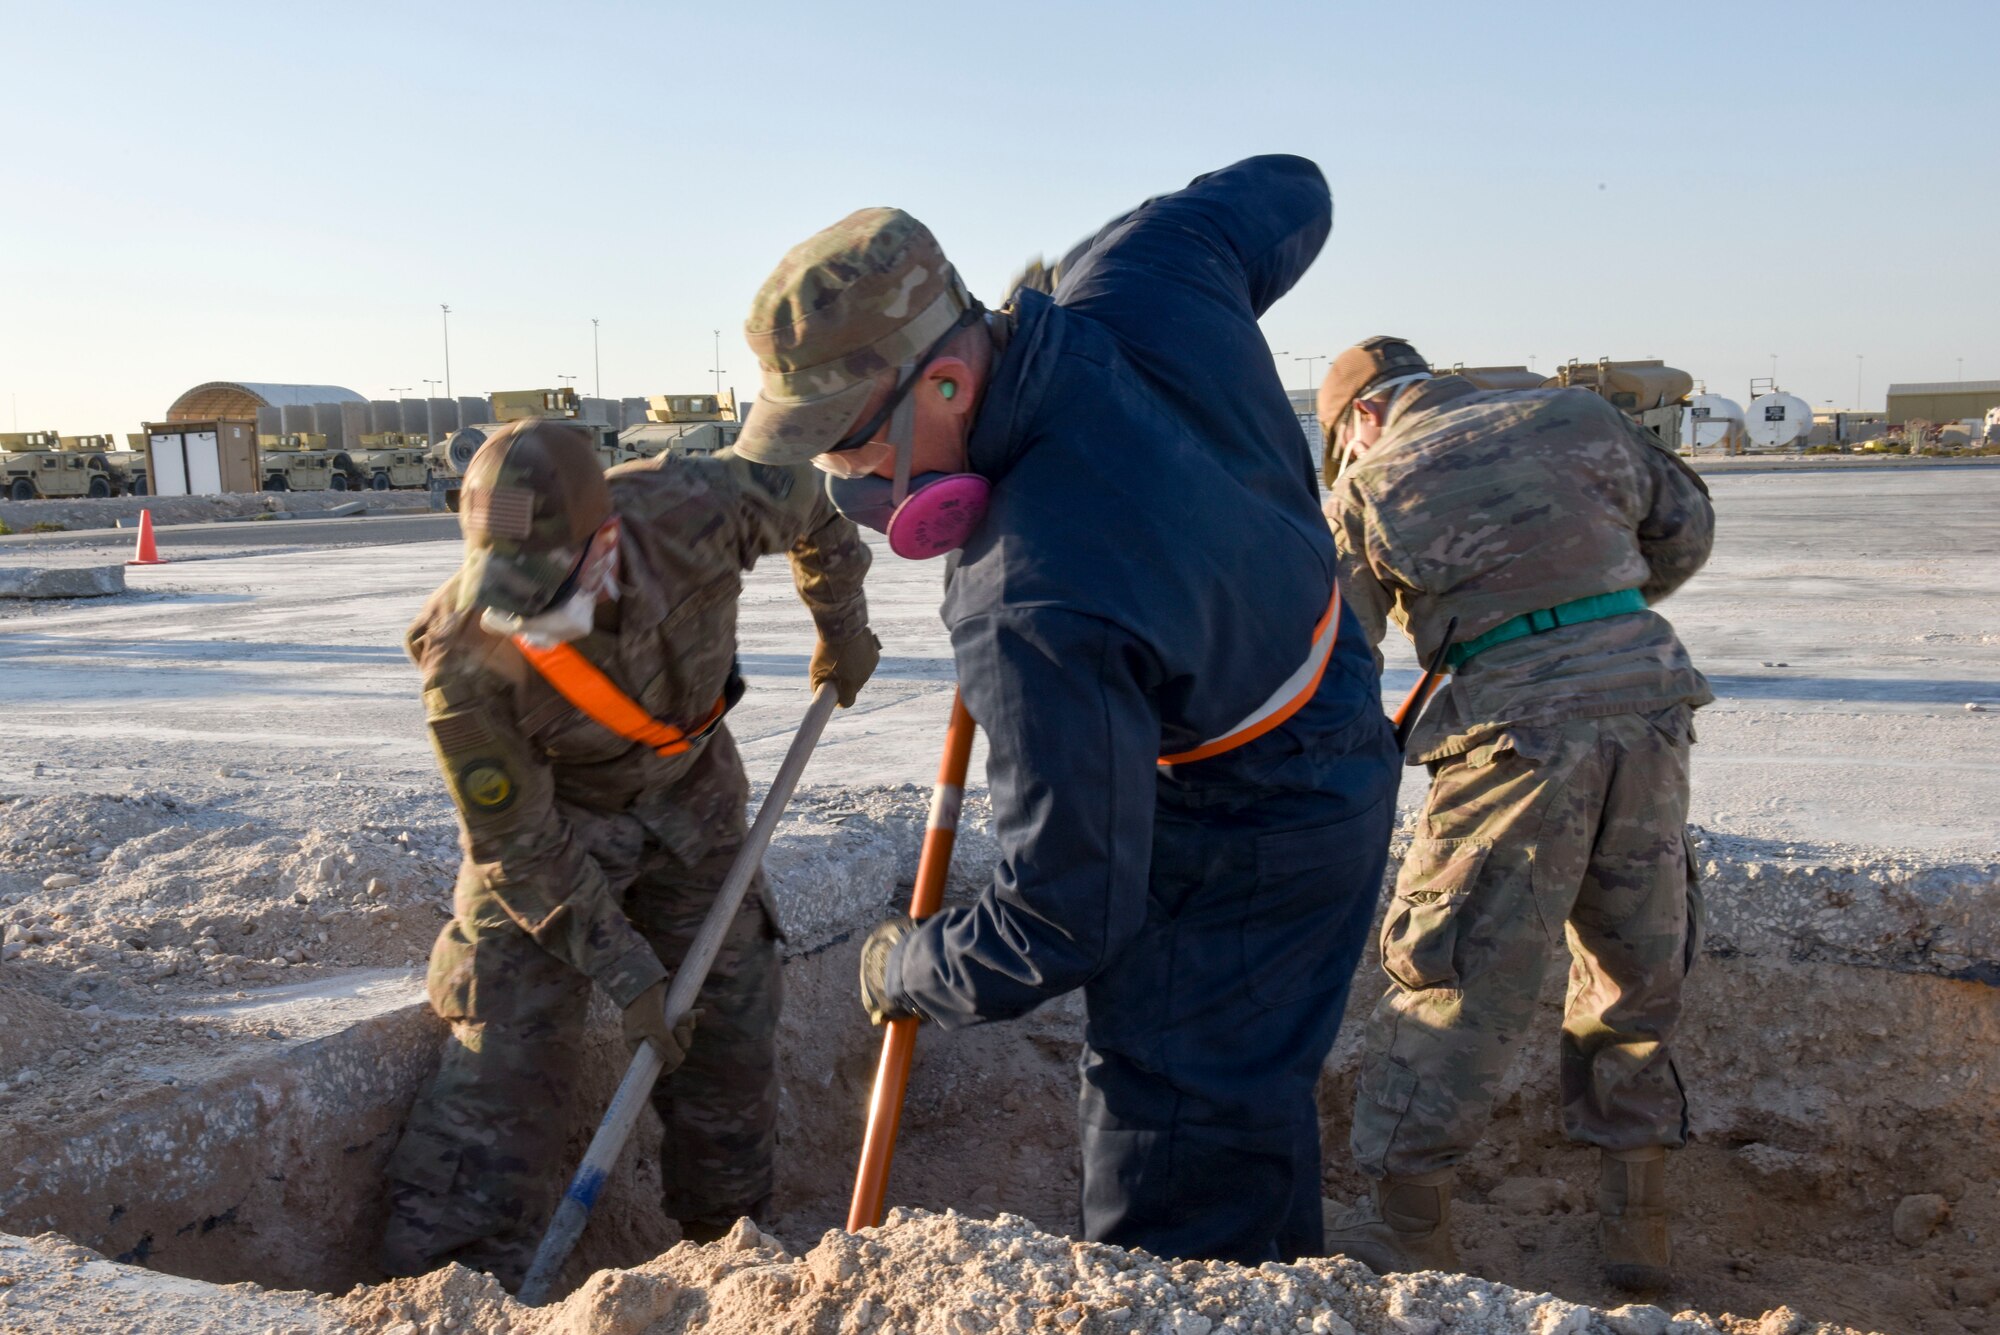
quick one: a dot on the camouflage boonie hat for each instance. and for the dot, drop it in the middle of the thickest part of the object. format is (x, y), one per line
(862, 297)
(532, 496)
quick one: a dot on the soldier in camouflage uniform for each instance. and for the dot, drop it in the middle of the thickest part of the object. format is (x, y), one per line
(1548, 523)
(590, 858)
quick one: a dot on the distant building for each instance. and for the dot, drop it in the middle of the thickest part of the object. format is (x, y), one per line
(240, 399)
(1946, 401)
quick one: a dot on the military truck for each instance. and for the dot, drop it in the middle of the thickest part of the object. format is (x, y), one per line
(687, 424)
(127, 469)
(453, 454)
(35, 466)
(392, 459)
(300, 461)
(1653, 392)
(130, 463)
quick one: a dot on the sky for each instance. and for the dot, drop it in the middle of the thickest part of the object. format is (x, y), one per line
(288, 193)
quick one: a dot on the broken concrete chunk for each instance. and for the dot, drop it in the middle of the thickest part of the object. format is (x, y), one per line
(61, 581)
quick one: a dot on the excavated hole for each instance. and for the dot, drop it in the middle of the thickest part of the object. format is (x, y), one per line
(1824, 1095)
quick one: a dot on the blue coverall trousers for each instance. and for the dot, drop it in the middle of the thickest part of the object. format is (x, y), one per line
(1205, 1039)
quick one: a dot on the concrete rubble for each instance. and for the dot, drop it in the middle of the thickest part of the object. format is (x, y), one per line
(61, 581)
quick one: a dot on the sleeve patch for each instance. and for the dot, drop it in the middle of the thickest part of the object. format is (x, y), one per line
(485, 783)
(461, 732)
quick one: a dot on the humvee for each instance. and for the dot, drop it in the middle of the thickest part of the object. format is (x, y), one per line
(392, 459)
(300, 461)
(34, 465)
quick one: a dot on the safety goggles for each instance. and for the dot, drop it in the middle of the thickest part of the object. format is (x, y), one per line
(858, 454)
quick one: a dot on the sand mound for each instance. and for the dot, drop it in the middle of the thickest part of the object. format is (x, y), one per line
(945, 1274)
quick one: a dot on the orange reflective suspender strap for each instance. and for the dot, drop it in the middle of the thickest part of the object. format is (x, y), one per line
(580, 682)
(1287, 700)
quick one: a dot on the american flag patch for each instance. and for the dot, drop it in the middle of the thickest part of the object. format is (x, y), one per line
(460, 732)
(500, 512)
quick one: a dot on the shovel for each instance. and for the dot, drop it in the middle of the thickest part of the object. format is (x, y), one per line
(899, 1041)
(574, 1212)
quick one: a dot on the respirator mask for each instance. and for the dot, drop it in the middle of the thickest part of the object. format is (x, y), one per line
(1343, 428)
(572, 614)
(923, 516)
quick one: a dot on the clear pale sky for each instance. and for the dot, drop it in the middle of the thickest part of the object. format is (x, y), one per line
(286, 192)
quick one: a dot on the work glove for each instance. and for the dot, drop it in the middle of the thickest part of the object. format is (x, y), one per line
(646, 1019)
(848, 665)
(875, 950)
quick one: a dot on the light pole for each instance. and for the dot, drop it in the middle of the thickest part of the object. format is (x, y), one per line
(596, 367)
(1309, 369)
(717, 368)
(568, 380)
(1857, 382)
(1774, 373)
(433, 387)
(1961, 370)
(447, 347)
(405, 389)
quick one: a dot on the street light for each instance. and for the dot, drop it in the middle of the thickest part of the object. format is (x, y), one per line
(1857, 382)
(447, 348)
(433, 386)
(596, 367)
(405, 389)
(717, 368)
(567, 379)
(1320, 357)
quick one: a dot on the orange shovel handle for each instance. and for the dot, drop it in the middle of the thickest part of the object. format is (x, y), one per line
(899, 1041)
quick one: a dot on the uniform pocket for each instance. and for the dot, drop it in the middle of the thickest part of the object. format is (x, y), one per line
(1307, 914)
(1420, 932)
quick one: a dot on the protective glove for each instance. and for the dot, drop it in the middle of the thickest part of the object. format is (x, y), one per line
(875, 950)
(646, 1018)
(848, 665)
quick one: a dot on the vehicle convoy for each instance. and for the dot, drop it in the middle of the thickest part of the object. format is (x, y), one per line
(300, 461)
(392, 459)
(39, 465)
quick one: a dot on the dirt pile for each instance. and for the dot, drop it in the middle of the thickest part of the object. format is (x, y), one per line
(945, 1274)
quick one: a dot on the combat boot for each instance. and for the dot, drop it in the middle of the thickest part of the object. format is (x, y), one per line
(1405, 1226)
(1632, 1218)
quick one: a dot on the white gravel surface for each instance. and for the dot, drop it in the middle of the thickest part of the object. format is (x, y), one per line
(1846, 619)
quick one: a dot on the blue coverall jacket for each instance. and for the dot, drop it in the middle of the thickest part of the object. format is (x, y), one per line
(1151, 569)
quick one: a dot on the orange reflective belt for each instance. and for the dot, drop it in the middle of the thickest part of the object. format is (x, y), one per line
(1287, 700)
(579, 681)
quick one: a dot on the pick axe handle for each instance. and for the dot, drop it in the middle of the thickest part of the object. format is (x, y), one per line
(623, 1114)
(899, 1041)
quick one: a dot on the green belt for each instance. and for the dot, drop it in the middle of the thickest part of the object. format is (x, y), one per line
(1594, 608)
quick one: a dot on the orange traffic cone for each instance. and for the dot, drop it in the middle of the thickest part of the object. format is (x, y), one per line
(148, 554)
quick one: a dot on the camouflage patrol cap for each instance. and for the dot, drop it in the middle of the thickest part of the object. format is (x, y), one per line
(532, 496)
(1356, 370)
(845, 305)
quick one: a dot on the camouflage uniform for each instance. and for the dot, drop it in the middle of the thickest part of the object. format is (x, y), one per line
(1559, 794)
(590, 859)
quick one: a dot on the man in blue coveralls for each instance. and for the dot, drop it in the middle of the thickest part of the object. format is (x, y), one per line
(1192, 780)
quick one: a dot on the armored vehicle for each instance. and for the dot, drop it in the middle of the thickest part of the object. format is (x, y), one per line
(454, 452)
(130, 463)
(300, 461)
(127, 469)
(35, 466)
(690, 424)
(392, 459)
(1650, 391)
